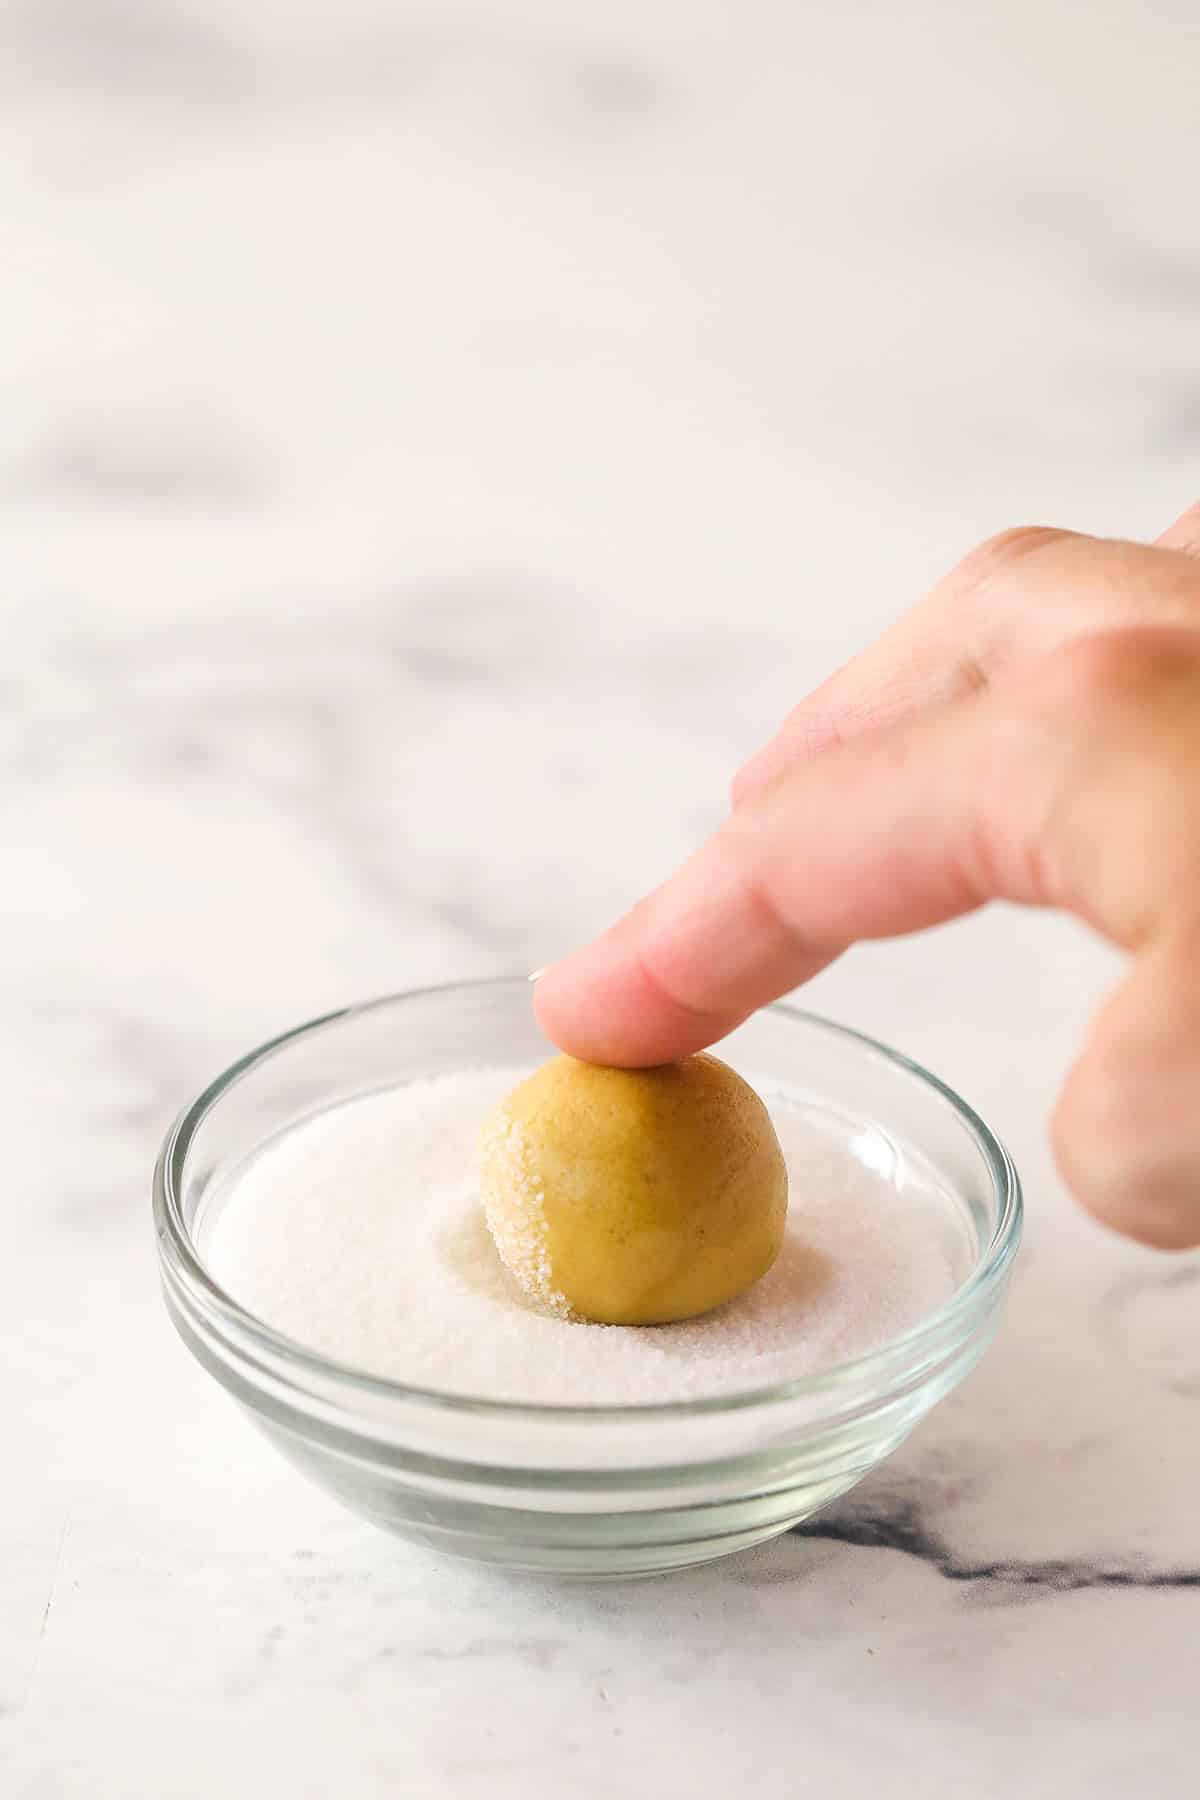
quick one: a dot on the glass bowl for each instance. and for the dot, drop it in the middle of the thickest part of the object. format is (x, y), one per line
(583, 1490)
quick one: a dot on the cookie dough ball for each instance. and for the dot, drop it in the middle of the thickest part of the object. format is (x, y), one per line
(634, 1196)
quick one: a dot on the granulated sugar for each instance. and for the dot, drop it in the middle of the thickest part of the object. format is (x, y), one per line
(518, 1229)
(361, 1235)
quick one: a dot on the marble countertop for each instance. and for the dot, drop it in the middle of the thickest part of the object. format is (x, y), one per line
(437, 443)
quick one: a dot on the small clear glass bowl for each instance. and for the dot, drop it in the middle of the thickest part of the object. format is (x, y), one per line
(583, 1490)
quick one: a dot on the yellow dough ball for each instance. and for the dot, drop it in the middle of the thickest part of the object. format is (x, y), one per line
(634, 1196)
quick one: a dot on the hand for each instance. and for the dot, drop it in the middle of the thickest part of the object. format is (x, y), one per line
(1031, 732)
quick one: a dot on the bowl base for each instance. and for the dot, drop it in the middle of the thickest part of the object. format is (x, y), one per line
(592, 1544)
(630, 1563)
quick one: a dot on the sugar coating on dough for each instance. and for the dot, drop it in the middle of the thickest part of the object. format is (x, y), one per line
(515, 1204)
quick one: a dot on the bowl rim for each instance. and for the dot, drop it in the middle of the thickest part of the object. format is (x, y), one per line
(287, 1361)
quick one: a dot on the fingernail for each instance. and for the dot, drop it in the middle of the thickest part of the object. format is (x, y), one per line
(536, 976)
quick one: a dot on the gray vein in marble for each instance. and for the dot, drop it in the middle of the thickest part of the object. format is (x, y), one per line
(157, 1071)
(116, 473)
(536, 1653)
(546, 76)
(898, 1523)
(264, 714)
(126, 44)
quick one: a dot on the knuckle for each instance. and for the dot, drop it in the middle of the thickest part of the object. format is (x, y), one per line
(1005, 551)
(1089, 671)
(1113, 667)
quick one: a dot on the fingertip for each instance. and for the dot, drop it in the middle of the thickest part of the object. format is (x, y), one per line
(551, 1017)
(572, 1013)
(601, 1006)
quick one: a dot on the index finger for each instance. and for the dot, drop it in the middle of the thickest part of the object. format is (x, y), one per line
(1079, 789)
(878, 838)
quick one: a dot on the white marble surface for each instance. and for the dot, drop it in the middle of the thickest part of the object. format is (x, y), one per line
(437, 442)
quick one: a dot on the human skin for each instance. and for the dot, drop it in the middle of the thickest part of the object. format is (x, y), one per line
(1029, 732)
